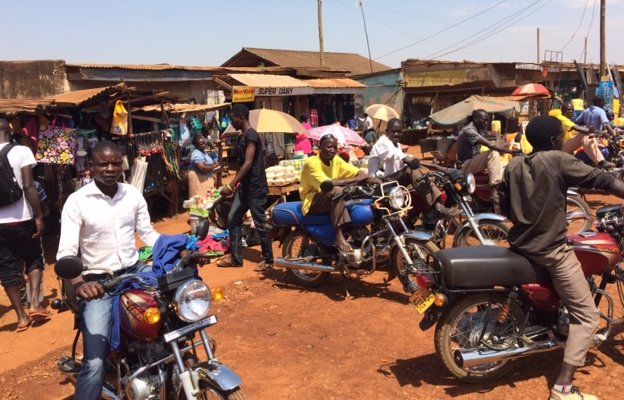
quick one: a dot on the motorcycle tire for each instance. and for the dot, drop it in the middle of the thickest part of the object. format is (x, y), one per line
(576, 203)
(302, 277)
(495, 230)
(444, 333)
(210, 391)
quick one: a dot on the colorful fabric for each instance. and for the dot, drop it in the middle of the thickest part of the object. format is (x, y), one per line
(57, 145)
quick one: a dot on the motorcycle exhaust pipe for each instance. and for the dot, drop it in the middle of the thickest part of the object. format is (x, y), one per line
(280, 262)
(473, 358)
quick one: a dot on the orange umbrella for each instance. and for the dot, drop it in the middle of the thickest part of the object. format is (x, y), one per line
(531, 89)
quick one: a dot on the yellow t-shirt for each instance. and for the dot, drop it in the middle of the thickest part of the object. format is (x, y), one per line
(316, 172)
(566, 123)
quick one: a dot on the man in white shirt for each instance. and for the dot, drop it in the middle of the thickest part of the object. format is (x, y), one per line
(387, 158)
(21, 226)
(100, 221)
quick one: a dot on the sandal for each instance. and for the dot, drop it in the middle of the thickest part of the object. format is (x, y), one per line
(23, 327)
(39, 314)
(228, 262)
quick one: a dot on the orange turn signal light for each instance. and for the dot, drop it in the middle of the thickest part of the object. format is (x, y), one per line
(217, 294)
(440, 300)
(152, 315)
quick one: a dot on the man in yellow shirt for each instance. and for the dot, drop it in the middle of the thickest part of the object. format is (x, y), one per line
(327, 167)
(576, 136)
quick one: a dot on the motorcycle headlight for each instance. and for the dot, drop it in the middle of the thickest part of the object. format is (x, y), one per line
(398, 198)
(192, 301)
(470, 183)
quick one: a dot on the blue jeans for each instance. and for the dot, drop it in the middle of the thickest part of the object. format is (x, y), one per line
(95, 324)
(240, 205)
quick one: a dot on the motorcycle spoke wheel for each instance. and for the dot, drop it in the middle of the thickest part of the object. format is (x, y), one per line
(495, 232)
(575, 204)
(298, 246)
(462, 328)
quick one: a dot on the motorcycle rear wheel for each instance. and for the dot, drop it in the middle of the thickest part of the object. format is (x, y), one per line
(298, 245)
(450, 321)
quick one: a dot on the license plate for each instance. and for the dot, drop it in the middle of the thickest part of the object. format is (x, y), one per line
(190, 328)
(423, 299)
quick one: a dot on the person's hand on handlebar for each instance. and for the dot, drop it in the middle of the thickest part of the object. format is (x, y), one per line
(89, 290)
(373, 181)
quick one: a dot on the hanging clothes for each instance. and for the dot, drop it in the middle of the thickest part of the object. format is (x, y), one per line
(120, 120)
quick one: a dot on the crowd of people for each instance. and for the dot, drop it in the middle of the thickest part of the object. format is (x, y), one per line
(100, 220)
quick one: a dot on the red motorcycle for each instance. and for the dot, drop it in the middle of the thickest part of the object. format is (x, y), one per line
(493, 306)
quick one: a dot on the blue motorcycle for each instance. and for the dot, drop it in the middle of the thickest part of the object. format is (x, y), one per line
(376, 232)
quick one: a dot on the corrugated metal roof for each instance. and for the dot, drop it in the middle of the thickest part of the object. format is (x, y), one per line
(334, 83)
(184, 108)
(168, 67)
(348, 62)
(77, 97)
(14, 106)
(268, 81)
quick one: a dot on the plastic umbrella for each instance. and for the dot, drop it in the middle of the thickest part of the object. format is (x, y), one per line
(381, 112)
(269, 121)
(342, 134)
(531, 89)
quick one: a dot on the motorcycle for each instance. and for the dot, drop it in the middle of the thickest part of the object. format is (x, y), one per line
(158, 324)
(376, 232)
(612, 152)
(492, 306)
(471, 228)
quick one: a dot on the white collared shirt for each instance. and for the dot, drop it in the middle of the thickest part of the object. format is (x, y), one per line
(384, 151)
(103, 228)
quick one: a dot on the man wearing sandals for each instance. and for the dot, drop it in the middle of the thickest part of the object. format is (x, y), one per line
(21, 226)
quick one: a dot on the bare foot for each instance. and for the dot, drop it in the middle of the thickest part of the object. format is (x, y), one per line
(22, 325)
(38, 313)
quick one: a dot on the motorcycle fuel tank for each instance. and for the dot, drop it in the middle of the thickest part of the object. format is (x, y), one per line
(133, 305)
(597, 251)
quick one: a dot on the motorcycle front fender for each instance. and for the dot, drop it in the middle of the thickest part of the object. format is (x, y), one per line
(221, 376)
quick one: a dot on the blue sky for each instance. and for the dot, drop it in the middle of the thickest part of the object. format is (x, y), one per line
(208, 32)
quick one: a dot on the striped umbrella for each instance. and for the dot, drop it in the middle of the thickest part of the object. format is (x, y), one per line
(531, 89)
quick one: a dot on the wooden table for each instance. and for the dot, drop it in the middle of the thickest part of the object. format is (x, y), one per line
(283, 190)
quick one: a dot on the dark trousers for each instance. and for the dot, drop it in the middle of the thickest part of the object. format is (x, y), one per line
(325, 203)
(240, 205)
(17, 247)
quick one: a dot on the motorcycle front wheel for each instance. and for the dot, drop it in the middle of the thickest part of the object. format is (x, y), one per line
(576, 204)
(496, 231)
(209, 392)
(461, 328)
(299, 245)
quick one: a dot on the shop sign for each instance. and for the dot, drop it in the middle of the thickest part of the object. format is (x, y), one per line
(244, 94)
(282, 91)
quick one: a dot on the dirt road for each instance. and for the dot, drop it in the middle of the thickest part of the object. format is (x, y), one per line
(292, 343)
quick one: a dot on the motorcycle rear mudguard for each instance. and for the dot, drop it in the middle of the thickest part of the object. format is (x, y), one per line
(220, 375)
(477, 218)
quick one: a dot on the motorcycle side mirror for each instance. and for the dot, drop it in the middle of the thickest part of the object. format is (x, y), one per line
(68, 267)
(202, 229)
(327, 186)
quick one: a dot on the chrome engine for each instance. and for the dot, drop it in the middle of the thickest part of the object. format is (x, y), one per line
(563, 321)
(144, 387)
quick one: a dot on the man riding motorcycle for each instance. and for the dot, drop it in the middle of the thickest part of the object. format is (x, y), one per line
(388, 152)
(534, 189)
(100, 221)
(327, 167)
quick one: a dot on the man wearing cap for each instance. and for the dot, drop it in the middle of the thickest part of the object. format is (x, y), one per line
(327, 167)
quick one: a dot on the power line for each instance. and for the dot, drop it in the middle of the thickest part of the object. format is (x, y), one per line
(591, 22)
(442, 30)
(578, 27)
(490, 30)
(404, 14)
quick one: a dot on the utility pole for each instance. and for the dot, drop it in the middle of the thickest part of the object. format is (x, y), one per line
(585, 52)
(603, 44)
(320, 29)
(538, 46)
(370, 59)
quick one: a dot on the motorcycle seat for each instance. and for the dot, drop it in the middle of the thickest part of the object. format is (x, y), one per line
(290, 214)
(481, 267)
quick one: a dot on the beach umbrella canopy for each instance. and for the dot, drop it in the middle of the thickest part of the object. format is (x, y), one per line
(381, 112)
(272, 121)
(529, 89)
(458, 112)
(342, 134)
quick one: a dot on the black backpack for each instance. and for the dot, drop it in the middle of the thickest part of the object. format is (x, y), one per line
(10, 190)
